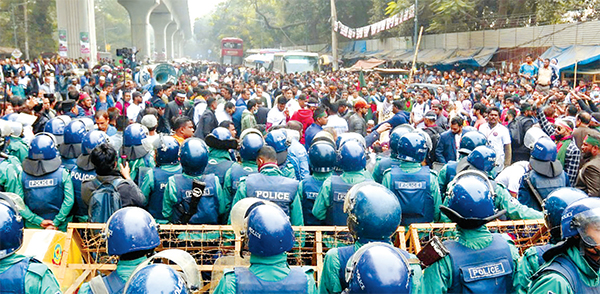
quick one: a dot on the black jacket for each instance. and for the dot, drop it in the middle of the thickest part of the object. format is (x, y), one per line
(208, 122)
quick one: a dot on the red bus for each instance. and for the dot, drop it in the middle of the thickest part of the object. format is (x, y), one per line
(232, 51)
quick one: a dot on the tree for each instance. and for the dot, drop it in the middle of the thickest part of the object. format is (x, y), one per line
(112, 25)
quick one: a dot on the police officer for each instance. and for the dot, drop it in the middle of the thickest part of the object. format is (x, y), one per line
(279, 141)
(19, 273)
(85, 170)
(71, 148)
(573, 265)
(532, 258)
(414, 185)
(479, 261)
(379, 268)
(131, 234)
(351, 159)
(56, 126)
(10, 166)
(16, 145)
(251, 140)
(182, 188)
(269, 236)
(468, 142)
(374, 214)
(271, 184)
(322, 159)
(483, 159)
(136, 152)
(46, 185)
(156, 278)
(155, 181)
(219, 142)
(383, 163)
(545, 176)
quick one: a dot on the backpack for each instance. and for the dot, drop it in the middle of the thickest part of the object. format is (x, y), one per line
(105, 200)
(515, 128)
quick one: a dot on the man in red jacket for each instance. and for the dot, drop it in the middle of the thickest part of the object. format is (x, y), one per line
(304, 115)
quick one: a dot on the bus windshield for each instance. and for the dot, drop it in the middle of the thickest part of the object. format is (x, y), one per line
(298, 63)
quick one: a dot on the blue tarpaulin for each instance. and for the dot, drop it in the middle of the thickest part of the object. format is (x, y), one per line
(567, 56)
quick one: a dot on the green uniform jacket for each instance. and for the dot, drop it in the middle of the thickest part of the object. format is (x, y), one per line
(18, 148)
(288, 170)
(377, 174)
(503, 200)
(124, 269)
(228, 184)
(555, 283)
(437, 278)
(10, 175)
(134, 166)
(170, 197)
(434, 189)
(527, 266)
(38, 279)
(330, 279)
(148, 182)
(296, 217)
(323, 201)
(272, 269)
(248, 120)
(34, 221)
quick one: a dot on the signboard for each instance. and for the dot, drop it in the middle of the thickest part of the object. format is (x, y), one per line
(17, 53)
(62, 42)
(84, 40)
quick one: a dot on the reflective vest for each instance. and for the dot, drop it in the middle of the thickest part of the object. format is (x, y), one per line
(249, 283)
(155, 201)
(219, 169)
(450, 174)
(487, 270)
(414, 193)
(237, 173)
(384, 164)
(44, 195)
(142, 169)
(207, 211)
(540, 250)
(310, 190)
(13, 279)
(544, 187)
(335, 213)
(113, 283)
(78, 176)
(564, 266)
(278, 189)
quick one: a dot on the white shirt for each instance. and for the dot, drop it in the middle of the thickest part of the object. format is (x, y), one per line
(510, 177)
(497, 138)
(133, 111)
(275, 117)
(339, 124)
(419, 111)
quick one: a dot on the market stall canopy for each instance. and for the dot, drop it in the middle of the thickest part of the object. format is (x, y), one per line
(366, 64)
(477, 57)
(568, 56)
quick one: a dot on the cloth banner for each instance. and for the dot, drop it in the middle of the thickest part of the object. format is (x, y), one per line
(378, 27)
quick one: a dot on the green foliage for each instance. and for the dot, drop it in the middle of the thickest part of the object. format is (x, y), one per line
(112, 25)
(41, 26)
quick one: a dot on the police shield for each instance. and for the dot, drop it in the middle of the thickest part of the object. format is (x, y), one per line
(532, 136)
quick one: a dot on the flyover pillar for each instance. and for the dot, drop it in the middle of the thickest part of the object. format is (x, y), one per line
(170, 33)
(159, 22)
(139, 14)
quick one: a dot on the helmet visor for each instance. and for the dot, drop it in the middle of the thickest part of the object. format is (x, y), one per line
(588, 226)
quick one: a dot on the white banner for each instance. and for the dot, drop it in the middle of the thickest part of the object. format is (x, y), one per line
(373, 29)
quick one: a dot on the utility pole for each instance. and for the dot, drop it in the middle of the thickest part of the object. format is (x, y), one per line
(334, 43)
(26, 33)
(12, 14)
(416, 35)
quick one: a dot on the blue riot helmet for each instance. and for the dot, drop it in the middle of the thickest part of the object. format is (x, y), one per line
(467, 129)
(482, 158)
(56, 127)
(167, 151)
(412, 147)
(134, 134)
(220, 138)
(351, 157)
(11, 227)
(156, 278)
(269, 231)
(74, 133)
(378, 268)
(133, 141)
(471, 200)
(324, 136)
(470, 141)
(43, 147)
(395, 136)
(221, 133)
(251, 142)
(350, 137)
(555, 204)
(279, 141)
(543, 158)
(131, 229)
(374, 212)
(194, 156)
(322, 157)
(91, 140)
(578, 216)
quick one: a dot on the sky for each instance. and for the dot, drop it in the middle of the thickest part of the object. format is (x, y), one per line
(199, 8)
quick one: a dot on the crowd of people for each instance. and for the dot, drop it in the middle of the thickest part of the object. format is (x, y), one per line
(326, 149)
